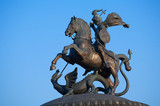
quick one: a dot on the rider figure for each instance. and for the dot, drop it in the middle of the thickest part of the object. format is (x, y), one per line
(101, 35)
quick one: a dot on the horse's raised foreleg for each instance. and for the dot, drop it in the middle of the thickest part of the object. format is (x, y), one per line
(60, 55)
(74, 46)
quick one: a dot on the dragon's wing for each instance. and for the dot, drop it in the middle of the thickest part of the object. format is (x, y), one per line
(114, 19)
(71, 78)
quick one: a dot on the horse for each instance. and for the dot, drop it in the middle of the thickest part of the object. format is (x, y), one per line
(83, 53)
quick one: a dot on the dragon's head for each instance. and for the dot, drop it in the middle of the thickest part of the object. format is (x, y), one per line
(55, 76)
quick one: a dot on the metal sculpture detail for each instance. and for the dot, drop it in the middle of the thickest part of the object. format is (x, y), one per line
(92, 56)
(80, 87)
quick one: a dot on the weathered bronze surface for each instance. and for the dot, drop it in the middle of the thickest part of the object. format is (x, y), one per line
(92, 100)
(84, 86)
(94, 56)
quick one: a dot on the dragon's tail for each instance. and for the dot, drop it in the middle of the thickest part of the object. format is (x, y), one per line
(125, 60)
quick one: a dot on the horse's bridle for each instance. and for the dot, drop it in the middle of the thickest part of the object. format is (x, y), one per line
(81, 38)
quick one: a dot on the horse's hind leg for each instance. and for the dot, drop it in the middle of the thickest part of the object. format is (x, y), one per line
(111, 84)
(116, 81)
(90, 85)
(60, 55)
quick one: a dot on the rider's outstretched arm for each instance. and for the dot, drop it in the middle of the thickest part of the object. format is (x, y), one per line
(94, 12)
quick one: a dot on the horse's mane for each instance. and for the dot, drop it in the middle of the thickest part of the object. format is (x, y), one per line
(86, 26)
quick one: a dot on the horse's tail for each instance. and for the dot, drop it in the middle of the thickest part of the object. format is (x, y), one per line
(125, 60)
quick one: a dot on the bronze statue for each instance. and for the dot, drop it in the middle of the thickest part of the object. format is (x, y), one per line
(84, 53)
(83, 86)
(92, 56)
(80, 87)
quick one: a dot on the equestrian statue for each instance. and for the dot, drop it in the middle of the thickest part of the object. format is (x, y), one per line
(94, 56)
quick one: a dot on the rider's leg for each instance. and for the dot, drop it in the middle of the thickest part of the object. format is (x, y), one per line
(103, 56)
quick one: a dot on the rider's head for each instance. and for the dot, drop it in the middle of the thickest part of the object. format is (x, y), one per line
(97, 19)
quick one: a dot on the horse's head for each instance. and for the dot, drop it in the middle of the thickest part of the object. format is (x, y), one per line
(72, 27)
(78, 26)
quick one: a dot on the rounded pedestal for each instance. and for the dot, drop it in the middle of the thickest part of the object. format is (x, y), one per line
(92, 100)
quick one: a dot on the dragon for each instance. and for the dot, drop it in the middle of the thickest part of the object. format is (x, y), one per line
(84, 86)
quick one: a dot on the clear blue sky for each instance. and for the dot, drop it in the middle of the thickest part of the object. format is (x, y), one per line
(32, 33)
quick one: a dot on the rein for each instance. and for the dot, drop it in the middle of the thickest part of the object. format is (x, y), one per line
(90, 40)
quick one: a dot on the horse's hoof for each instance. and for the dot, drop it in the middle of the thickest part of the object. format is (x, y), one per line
(52, 68)
(112, 93)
